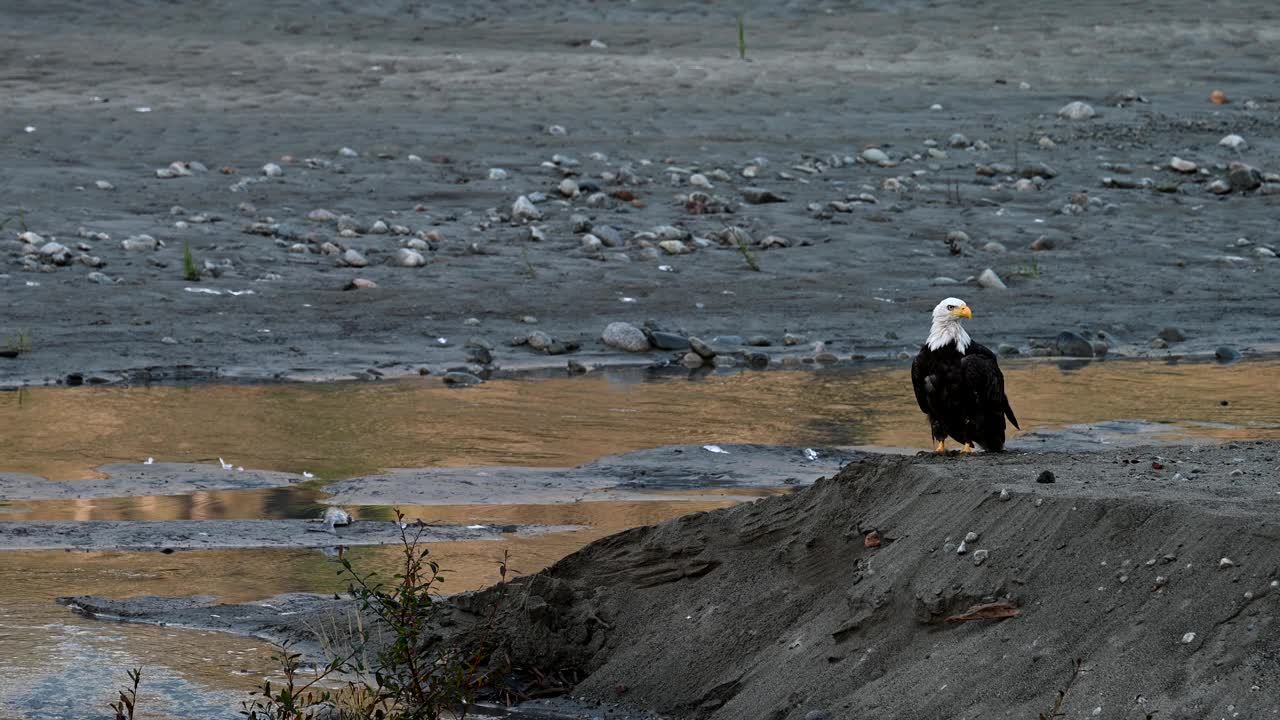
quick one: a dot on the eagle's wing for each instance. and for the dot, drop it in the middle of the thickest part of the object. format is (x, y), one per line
(982, 373)
(917, 381)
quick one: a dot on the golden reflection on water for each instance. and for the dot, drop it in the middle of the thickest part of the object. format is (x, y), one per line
(344, 430)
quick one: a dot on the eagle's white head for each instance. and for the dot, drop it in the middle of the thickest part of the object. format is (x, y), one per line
(946, 324)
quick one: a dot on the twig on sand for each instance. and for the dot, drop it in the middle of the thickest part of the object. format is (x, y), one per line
(986, 611)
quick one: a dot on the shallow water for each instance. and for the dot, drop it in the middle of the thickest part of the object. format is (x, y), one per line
(53, 661)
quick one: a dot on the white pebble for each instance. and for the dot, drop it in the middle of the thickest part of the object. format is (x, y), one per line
(272, 170)
(1188, 638)
(1076, 111)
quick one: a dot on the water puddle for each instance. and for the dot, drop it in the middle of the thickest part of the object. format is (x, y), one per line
(54, 664)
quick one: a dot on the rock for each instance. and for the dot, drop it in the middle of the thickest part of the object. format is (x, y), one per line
(994, 247)
(575, 368)
(876, 156)
(692, 360)
(990, 280)
(498, 174)
(671, 232)
(757, 360)
(568, 187)
(322, 215)
(348, 152)
(379, 228)
(1007, 349)
(963, 549)
(360, 284)
(409, 258)
(625, 336)
(1233, 141)
(55, 252)
(760, 196)
(524, 211)
(272, 170)
(31, 238)
(1046, 478)
(104, 185)
(1076, 111)
(1226, 353)
(674, 247)
(1038, 170)
(1041, 244)
(1100, 348)
(1225, 563)
(591, 243)
(1183, 166)
(700, 180)
(1004, 495)
(353, 258)
(759, 341)
(668, 340)
(1242, 177)
(1172, 334)
(789, 339)
(774, 241)
(139, 243)
(581, 223)
(539, 340)
(1219, 187)
(1188, 638)
(826, 357)
(701, 347)
(609, 235)
(971, 537)
(980, 556)
(1069, 344)
(1159, 343)
(456, 378)
(99, 278)
(958, 140)
(557, 130)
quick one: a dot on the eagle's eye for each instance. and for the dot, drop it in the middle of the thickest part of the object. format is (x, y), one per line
(951, 307)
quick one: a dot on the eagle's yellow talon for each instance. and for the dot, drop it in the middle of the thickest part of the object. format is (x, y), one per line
(966, 449)
(941, 449)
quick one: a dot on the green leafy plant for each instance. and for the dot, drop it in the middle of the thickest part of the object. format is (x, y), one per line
(742, 37)
(128, 702)
(20, 343)
(189, 269)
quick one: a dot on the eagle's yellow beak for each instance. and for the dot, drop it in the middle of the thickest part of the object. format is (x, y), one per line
(963, 311)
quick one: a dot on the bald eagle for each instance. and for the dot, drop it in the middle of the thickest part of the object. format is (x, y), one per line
(959, 385)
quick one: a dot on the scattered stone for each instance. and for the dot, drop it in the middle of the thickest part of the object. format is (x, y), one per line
(456, 378)
(576, 368)
(963, 549)
(1069, 344)
(272, 170)
(1183, 166)
(1076, 110)
(971, 537)
(609, 235)
(990, 280)
(774, 241)
(625, 336)
(692, 360)
(760, 196)
(1225, 563)
(980, 556)
(994, 247)
(663, 340)
(790, 339)
(1219, 187)
(826, 357)
(379, 228)
(759, 341)
(348, 152)
(568, 187)
(1041, 244)
(674, 247)
(1004, 495)
(139, 243)
(1172, 334)
(1046, 478)
(1242, 177)
(876, 156)
(353, 259)
(322, 215)
(498, 174)
(700, 180)
(1007, 349)
(1038, 170)
(409, 258)
(524, 210)
(593, 244)
(757, 360)
(702, 348)
(1226, 353)
(557, 130)
(1188, 638)
(958, 140)
(99, 278)
(56, 253)
(360, 284)
(1233, 141)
